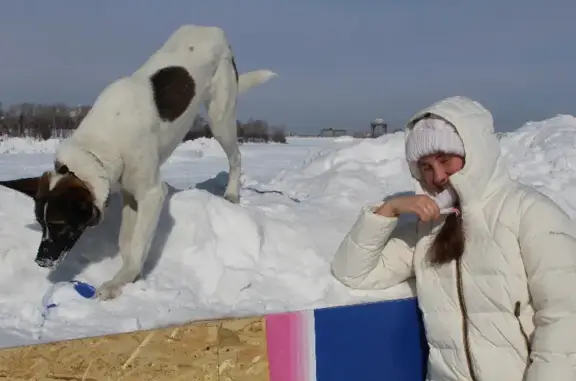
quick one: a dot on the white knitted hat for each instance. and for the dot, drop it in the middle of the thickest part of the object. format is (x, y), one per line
(431, 135)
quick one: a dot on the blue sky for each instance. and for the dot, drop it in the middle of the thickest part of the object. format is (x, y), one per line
(341, 63)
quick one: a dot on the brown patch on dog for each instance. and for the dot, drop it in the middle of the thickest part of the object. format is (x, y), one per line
(44, 185)
(173, 88)
(70, 200)
(71, 184)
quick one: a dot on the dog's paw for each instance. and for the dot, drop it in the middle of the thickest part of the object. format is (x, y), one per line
(234, 199)
(109, 290)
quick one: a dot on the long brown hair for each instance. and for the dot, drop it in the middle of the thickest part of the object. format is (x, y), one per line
(449, 243)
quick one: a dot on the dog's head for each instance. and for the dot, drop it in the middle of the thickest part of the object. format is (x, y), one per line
(64, 208)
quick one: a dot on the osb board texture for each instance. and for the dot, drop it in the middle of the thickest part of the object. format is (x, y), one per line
(229, 350)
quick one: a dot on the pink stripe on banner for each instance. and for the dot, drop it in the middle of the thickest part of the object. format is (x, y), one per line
(288, 346)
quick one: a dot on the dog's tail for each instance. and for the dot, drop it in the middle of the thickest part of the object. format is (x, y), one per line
(254, 78)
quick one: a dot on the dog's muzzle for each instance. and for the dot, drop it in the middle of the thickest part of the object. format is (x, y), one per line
(50, 255)
(47, 263)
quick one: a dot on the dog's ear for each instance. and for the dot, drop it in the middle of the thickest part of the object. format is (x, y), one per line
(34, 187)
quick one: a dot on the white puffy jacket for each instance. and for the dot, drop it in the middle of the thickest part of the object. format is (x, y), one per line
(507, 310)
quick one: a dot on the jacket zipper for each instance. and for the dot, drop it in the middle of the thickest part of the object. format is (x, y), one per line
(517, 314)
(464, 312)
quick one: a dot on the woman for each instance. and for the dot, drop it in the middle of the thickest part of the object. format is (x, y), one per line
(496, 280)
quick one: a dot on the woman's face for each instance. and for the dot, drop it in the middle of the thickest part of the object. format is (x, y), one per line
(437, 168)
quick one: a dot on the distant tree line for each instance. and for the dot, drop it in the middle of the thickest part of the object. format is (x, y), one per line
(254, 130)
(40, 121)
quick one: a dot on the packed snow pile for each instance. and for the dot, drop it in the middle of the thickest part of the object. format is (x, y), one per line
(201, 147)
(211, 258)
(351, 172)
(543, 155)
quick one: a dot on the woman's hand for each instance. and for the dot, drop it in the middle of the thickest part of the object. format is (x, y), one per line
(423, 206)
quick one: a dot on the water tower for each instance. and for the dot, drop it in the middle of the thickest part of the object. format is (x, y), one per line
(378, 127)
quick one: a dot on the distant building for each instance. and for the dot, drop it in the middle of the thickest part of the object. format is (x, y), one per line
(332, 132)
(378, 127)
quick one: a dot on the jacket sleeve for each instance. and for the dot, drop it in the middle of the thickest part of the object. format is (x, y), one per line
(547, 239)
(376, 253)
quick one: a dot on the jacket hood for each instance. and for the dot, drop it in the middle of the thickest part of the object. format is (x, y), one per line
(474, 123)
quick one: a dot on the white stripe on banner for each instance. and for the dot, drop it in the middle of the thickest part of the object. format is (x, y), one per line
(311, 334)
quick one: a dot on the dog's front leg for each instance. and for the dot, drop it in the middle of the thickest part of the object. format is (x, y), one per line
(129, 213)
(135, 254)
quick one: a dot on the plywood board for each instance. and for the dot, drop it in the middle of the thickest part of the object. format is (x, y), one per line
(210, 351)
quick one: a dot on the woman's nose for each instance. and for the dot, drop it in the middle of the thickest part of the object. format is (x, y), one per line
(440, 176)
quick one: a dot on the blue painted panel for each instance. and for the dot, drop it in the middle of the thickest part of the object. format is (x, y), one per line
(381, 341)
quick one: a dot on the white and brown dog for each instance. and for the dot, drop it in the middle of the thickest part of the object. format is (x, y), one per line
(135, 124)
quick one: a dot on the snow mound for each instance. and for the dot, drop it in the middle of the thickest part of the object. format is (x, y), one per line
(269, 254)
(543, 154)
(350, 172)
(201, 147)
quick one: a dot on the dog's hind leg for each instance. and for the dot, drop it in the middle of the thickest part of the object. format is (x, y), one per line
(221, 108)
